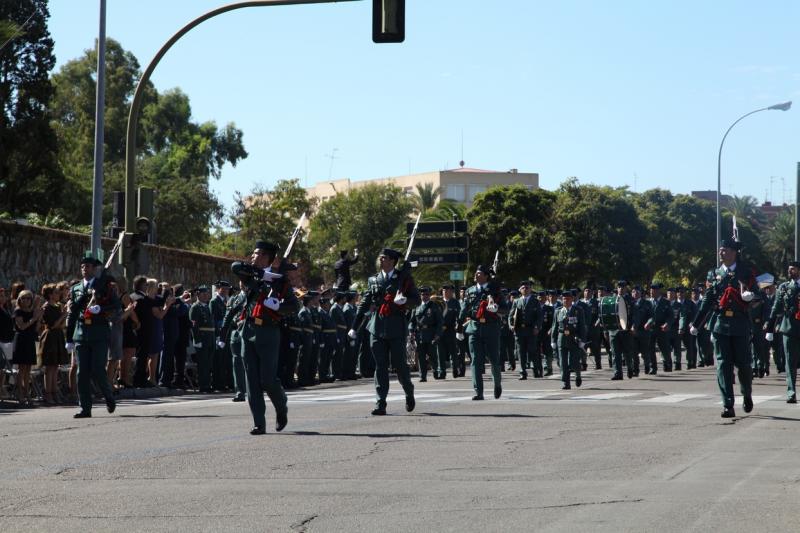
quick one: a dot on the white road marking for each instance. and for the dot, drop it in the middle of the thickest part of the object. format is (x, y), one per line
(673, 398)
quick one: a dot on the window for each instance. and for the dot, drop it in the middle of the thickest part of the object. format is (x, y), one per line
(455, 191)
(475, 189)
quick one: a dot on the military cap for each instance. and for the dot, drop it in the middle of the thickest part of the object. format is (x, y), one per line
(266, 246)
(504, 290)
(568, 292)
(90, 260)
(795, 264)
(551, 292)
(326, 292)
(658, 285)
(711, 275)
(730, 243)
(526, 282)
(559, 292)
(222, 283)
(515, 293)
(622, 283)
(202, 288)
(391, 254)
(425, 290)
(696, 290)
(340, 294)
(448, 286)
(541, 293)
(312, 294)
(638, 288)
(574, 291)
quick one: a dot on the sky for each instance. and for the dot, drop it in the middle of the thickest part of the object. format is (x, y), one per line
(619, 92)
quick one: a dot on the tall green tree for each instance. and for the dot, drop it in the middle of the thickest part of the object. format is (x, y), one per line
(365, 218)
(29, 173)
(779, 241)
(745, 208)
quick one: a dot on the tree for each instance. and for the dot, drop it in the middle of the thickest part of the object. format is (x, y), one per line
(516, 221)
(779, 241)
(745, 208)
(365, 218)
(28, 170)
(426, 196)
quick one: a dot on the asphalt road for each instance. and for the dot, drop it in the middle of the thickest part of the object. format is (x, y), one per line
(649, 454)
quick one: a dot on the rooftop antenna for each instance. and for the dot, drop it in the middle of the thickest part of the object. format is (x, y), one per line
(771, 180)
(306, 173)
(783, 187)
(461, 163)
(331, 156)
(635, 180)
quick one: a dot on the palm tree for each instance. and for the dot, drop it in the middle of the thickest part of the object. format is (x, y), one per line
(746, 208)
(779, 239)
(426, 196)
(446, 210)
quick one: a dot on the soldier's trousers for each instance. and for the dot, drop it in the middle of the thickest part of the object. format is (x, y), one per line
(261, 372)
(675, 343)
(166, 363)
(425, 353)
(705, 347)
(447, 350)
(595, 342)
(222, 361)
(729, 352)
(386, 352)
(507, 350)
(760, 348)
(237, 363)
(92, 357)
(305, 366)
(621, 349)
(569, 355)
(342, 343)
(662, 342)
(482, 346)
(791, 349)
(349, 359)
(366, 361)
(690, 343)
(546, 351)
(203, 357)
(326, 353)
(778, 353)
(642, 345)
(528, 354)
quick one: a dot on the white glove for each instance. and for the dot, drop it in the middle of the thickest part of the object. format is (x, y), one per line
(582, 344)
(272, 303)
(492, 308)
(197, 344)
(770, 337)
(352, 334)
(220, 344)
(95, 309)
(693, 331)
(747, 296)
(322, 345)
(269, 276)
(70, 346)
(291, 345)
(400, 299)
(553, 345)
(460, 336)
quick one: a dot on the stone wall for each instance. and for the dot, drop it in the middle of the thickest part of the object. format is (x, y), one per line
(36, 255)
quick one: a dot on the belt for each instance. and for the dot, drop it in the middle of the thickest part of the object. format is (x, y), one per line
(294, 328)
(328, 331)
(340, 326)
(308, 330)
(206, 329)
(316, 326)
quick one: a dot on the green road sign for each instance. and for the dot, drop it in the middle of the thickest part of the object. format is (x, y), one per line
(456, 275)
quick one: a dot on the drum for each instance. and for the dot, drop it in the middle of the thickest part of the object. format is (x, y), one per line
(613, 313)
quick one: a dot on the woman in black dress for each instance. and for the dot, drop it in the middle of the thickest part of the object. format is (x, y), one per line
(52, 341)
(6, 340)
(130, 323)
(26, 324)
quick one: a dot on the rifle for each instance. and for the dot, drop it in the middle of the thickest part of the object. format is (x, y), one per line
(496, 262)
(411, 244)
(284, 266)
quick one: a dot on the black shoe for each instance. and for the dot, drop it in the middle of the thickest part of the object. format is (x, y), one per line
(618, 377)
(281, 419)
(630, 374)
(258, 430)
(748, 404)
(761, 372)
(792, 399)
(598, 367)
(523, 377)
(584, 367)
(111, 406)
(497, 392)
(379, 410)
(578, 380)
(238, 399)
(766, 371)
(548, 373)
(410, 403)
(728, 413)
(82, 414)
(653, 372)
(677, 367)
(636, 373)
(668, 369)
(477, 397)
(423, 380)
(565, 387)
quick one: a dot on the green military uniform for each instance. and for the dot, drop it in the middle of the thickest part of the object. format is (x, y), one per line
(350, 358)
(261, 337)
(759, 318)
(545, 349)
(731, 330)
(342, 342)
(230, 327)
(525, 320)
(689, 341)
(591, 308)
(621, 340)
(221, 353)
(787, 305)
(327, 347)
(426, 326)
(305, 321)
(778, 356)
(483, 332)
(507, 351)
(316, 346)
(662, 331)
(448, 346)
(568, 333)
(387, 328)
(705, 347)
(93, 302)
(641, 320)
(204, 333)
(674, 333)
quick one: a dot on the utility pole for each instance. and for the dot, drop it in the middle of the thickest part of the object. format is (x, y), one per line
(97, 189)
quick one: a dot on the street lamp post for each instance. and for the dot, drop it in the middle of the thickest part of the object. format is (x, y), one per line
(777, 107)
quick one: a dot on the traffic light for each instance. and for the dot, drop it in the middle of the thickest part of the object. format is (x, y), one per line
(388, 21)
(144, 222)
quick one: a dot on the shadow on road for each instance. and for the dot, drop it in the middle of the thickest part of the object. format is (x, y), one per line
(486, 415)
(169, 416)
(370, 435)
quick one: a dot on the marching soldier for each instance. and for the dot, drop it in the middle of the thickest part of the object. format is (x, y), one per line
(350, 350)
(620, 338)
(447, 350)
(269, 297)
(366, 362)
(641, 330)
(525, 320)
(306, 365)
(688, 311)
(726, 302)
(317, 345)
(88, 330)
(329, 341)
(548, 313)
(567, 337)
(705, 347)
(674, 323)
(231, 335)
(204, 333)
(461, 339)
(342, 341)
(662, 318)
(768, 290)
(592, 312)
(759, 320)
(479, 314)
(507, 351)
(777, 337)
(222, 357)
(426, 325)
(787, 305)
(391, 291)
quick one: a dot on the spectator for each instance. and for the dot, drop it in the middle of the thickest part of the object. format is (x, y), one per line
(114, 336)
(52, 341)
(170, 323)
(184, 336)
(130, 325)
(26, 324)
(16, 288)
(73, 364)
(144, 314)
(6, 340)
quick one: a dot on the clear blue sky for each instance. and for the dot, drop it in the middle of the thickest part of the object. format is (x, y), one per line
(604, 91)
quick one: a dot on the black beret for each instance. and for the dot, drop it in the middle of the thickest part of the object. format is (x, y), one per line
(485, 269)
